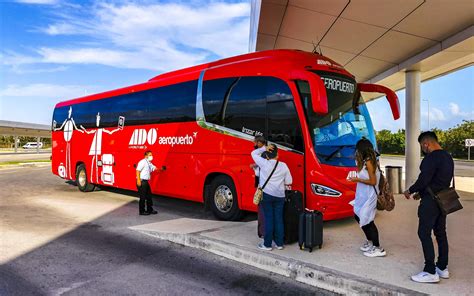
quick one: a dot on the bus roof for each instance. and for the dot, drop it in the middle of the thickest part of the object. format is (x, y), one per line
(318, 62)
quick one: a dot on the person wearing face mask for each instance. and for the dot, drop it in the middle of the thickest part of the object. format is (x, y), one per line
(437, 170)
(143, 174)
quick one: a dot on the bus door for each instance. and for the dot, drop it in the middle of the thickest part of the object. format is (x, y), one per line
(284, 129)
(263, 105)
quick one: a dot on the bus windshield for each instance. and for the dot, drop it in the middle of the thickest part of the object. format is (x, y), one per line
(336, 133)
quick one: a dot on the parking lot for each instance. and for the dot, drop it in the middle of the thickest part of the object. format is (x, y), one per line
(59, 241)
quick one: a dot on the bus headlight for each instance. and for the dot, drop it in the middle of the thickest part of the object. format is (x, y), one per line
(324, 190)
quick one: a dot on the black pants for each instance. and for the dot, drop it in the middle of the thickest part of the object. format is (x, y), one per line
(431, 219)
(144, 192)
(371, 232)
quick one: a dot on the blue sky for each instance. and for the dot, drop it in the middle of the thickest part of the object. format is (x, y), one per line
(52, 50)
(450, 99)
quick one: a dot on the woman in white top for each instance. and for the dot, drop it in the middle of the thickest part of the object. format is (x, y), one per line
(273, 193)
(365, 203)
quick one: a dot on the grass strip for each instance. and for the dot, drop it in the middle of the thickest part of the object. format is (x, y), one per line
(24, 161)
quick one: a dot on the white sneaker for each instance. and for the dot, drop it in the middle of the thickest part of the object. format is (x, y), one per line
(375, 252)
(425, 277)
(444, 274)
(261, 246)
(280, 247)
(366, 246)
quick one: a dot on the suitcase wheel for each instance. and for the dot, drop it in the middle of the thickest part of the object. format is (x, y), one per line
(310, 250)
(320, 246)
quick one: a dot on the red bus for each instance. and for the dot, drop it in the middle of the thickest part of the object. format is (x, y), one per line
(200, 123)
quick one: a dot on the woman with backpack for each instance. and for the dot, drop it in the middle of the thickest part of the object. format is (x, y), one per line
(365, 203)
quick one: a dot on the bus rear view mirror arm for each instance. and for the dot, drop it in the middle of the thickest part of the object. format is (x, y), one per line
(390, 95)
(319, 97)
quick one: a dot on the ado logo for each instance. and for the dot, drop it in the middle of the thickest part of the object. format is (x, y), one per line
(141, 136)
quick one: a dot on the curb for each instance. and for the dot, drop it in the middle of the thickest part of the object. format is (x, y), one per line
(314, 275)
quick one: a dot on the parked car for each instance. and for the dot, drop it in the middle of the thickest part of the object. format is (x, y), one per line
(32, 145)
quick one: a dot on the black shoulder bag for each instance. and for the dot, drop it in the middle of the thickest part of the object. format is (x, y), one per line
(447, 199)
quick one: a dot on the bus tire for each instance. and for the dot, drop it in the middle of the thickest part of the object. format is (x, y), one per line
(81, 179)
(223, 199)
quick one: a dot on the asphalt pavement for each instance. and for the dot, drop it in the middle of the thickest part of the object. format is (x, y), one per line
(59, 241)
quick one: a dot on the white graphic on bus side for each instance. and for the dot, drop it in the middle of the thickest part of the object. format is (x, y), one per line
(68, 127)
(96, 151)
(251, 132)
(62, 170)
(140, 137)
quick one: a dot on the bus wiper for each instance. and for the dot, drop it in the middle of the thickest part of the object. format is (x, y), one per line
(337, 150)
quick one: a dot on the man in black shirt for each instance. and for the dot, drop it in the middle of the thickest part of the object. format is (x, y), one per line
(437, 170)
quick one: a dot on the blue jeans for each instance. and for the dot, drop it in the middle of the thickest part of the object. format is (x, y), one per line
(273, 212)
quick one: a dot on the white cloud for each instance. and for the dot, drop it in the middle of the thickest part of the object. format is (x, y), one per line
(22, 64)
(158, 60)
(454, 108)
(159, 37)
(456, 111)
(436, 114)
(36, 70)
(43, 90)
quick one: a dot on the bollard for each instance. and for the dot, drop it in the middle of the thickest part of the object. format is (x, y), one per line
(394, 178)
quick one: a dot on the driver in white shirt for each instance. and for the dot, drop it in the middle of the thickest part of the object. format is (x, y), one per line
(143, 175)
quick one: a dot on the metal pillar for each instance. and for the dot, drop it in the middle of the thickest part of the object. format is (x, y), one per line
(38, 139)
(412, 125)
(15, 138)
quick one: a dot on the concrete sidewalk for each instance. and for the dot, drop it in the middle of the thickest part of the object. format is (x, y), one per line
(339, 266)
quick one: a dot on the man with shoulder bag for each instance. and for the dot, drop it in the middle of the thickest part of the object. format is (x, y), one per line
(437, 171)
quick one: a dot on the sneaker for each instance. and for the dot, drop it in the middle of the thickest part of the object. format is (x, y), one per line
(261, 246)
(425, 277)
(280, 247)
(152, 212)
(375, 252)
(444, 274)
(366, 246)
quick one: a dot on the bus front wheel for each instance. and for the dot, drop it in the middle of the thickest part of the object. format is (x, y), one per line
(223, 199)
(81, 179)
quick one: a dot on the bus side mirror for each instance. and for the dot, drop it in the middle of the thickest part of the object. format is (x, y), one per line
(390, 94)
(319, 96)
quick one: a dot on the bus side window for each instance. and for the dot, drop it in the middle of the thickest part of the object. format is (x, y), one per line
(171, 103)
(283, 124)
(213, 95)
(246, 107)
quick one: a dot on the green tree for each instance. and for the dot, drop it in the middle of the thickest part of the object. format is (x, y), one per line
(454, 138)
(391, 143)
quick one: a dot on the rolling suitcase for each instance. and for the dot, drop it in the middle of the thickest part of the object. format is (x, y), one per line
(310, 232)
(292, 209)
